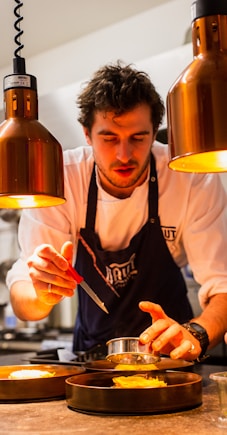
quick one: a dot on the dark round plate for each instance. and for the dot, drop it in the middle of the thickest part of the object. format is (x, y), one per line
(163, 364)
(35, 388)
(94, 393)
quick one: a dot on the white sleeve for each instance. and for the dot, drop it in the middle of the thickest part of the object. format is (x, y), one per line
(205, 235)
(36, 227)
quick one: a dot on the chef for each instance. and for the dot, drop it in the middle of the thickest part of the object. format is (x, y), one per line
(128, 226)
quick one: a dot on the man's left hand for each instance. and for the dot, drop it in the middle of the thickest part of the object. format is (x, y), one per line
(166, 336)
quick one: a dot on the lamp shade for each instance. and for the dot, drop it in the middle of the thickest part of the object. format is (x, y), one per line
(31, 159)
(197, 101)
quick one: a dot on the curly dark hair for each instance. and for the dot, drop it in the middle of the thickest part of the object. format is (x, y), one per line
(119, 88)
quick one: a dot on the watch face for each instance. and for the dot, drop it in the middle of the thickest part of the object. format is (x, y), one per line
(197, 328)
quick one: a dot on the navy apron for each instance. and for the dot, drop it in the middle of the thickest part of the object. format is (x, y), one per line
(145, 270)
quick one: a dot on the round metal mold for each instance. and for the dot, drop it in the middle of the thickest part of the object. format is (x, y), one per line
(129, 350)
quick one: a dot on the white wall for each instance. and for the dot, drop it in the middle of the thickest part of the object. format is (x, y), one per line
(58, 110)
(149, 40)
(158, 30)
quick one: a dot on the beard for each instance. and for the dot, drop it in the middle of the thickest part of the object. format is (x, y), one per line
(114, 179)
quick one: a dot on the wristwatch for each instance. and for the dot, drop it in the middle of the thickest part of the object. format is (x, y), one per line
(200, 334)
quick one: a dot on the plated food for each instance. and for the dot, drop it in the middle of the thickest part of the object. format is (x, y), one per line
(30, 374)
(163, 364)
(135, 367)
(34, 381)
(95, 393)
(138, 381)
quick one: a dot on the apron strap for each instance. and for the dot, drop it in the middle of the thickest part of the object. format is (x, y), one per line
(92, 201)
(153, 191)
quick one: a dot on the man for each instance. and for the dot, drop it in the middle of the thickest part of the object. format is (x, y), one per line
(129, 224)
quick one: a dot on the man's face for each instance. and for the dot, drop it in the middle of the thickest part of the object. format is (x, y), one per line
(121, 148)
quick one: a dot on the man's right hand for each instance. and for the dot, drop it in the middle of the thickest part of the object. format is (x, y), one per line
(49, 272)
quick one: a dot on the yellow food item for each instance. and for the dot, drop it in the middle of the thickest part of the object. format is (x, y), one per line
(136, 367)
(137, 382)
(29, 374)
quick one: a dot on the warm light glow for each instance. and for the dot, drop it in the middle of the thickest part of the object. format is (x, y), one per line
(29, 201)
(213, 161)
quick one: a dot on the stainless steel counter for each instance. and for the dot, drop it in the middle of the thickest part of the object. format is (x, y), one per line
(12, 341)
(54, 417)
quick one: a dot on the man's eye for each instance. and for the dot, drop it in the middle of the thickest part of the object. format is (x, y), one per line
(138, 138)
(109, 138)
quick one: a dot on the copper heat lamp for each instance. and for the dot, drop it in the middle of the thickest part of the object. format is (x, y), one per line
(31, 159)
(197, 101)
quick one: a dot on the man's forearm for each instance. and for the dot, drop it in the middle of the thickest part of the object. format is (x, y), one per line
(214, 318)
(25, 303)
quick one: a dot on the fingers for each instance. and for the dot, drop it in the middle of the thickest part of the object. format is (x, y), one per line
(48, 252)
(168, 337)
(163, 335)
(48, 296)
(46, 272)
(48, 267)
(154, 310)
(225, 337)
(161, 321)
(171, 340)
(67, 251)
(187, 351)
(51, 294)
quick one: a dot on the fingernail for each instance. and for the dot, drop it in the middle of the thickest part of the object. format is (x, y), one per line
(174, 354)
(144, 338)
(157, 345)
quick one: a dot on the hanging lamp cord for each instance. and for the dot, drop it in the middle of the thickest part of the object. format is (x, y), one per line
(18, 61)
(20, 32)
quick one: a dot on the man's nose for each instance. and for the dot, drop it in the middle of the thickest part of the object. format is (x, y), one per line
(124, 151)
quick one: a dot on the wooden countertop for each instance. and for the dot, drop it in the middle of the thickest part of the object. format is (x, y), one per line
(54, 417)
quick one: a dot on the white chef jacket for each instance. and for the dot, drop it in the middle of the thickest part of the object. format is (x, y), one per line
(192, 210)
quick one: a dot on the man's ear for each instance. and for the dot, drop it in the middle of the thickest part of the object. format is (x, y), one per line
(87, 135)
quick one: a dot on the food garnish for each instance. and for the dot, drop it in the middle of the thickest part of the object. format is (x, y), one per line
(137, 381)
(136, 367)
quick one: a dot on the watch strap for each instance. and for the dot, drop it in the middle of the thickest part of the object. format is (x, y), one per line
(201, 335)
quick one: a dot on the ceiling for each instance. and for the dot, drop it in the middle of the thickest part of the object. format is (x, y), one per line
(50, 23)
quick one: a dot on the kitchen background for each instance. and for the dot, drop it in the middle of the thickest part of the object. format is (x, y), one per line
(64, 42)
